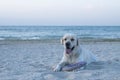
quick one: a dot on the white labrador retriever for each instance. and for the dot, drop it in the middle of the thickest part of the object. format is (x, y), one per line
(73, 53)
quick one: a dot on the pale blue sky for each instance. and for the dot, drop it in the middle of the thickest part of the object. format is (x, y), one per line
(59, 12)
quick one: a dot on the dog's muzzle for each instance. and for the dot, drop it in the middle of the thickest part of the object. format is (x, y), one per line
(68, 48)
(67, 45)
(68, 51)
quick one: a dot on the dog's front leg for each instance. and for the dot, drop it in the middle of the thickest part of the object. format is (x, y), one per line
(59, 66)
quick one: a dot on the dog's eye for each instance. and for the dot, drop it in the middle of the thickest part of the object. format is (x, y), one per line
(72, 39)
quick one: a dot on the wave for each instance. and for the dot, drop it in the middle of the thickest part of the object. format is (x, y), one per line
(56, 32)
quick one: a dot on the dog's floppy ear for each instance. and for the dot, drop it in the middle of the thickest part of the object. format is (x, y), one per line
(77, 42)
(61, 41)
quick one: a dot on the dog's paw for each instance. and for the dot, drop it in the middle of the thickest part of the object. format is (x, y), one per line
(58, 68)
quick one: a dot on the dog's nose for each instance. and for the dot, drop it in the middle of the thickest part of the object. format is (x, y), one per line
(68, 44)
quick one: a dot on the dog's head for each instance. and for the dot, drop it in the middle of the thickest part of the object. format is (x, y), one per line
(70, 42)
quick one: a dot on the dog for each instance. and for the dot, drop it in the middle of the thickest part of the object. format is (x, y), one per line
(73, 52)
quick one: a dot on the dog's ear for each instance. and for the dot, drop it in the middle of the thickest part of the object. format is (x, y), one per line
(77, 42)
(61, 41)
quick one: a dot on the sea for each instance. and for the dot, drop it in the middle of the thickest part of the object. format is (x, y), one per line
(56, 32)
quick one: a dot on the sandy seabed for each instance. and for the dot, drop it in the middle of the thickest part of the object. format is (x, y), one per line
(33, 60)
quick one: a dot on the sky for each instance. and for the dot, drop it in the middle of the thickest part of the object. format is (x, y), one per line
(60, 12)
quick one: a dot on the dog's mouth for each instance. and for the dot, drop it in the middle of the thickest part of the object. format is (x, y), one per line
(69, 50)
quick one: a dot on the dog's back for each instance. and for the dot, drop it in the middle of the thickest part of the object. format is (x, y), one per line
(86, 56)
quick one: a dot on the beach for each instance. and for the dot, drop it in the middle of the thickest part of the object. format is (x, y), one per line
(34, 60)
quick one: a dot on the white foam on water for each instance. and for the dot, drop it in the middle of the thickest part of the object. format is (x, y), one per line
(55, 32)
